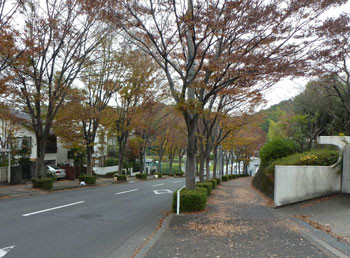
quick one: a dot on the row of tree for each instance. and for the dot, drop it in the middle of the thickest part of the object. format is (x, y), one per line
(215, 57)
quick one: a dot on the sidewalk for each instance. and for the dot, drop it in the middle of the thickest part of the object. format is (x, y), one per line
(238, 222)
(21, 190)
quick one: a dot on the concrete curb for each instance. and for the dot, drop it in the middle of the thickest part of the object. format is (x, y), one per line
(323, 240)
(142, 253)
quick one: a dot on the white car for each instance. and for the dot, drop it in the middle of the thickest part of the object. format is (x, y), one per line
(56, 171)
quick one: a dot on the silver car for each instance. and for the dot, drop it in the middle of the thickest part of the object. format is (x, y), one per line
(56, 171)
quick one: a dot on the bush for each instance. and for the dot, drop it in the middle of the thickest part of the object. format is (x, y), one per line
(43, 183)
(224, 178)
(213, 182)
(109, 174)
(234, 176)
(121, 178)
(159, 175)
(229, 177)
(207, 185)
(181, 174)
(318, 157)
(218, 180)
(276, 149)
(111, 162)
(136, 166)
(90, 180)
(190, 200)
(141, 176)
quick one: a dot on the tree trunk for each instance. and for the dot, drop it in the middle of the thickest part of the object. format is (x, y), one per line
(180, 161)
(40, 168)
(171, 158)
(207, 167)
(232, 161)
(215, 161)
(191, 123)
(89, 153)
(142, 164)
(201, 167)
(227, 163)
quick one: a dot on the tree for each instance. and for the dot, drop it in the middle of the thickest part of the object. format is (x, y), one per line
(56, 39)
(206, 47)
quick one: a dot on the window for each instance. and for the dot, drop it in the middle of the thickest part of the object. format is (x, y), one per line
(21, 144)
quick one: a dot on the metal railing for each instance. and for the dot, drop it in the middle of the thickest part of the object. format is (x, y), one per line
(178, 201)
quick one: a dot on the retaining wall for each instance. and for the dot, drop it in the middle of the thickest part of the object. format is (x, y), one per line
(300, 183)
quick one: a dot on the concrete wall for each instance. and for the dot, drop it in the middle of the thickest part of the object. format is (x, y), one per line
(339, 141)
(104, 170)
(299, 183)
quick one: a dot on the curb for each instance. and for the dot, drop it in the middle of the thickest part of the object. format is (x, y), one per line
(323, 240)
(144, 250)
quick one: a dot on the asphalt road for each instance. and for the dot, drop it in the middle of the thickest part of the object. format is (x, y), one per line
(109, 221)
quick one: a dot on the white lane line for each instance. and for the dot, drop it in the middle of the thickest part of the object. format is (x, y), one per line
(133, 190)
(54, 208)
(157, 185)
(176, 182)
(5, 250)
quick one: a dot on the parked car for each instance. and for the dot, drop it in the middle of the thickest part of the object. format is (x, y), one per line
(56, 171)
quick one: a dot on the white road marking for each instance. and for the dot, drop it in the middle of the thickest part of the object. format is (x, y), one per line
(133, 190)
(157, 185)
(176, 181)
(164, 191)
(5, 250)
(50, 209)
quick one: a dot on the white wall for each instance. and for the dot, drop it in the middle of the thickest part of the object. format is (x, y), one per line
(104, 170)
(299, 183)
(339, 141)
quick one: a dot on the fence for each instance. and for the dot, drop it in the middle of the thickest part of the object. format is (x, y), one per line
(165, 168)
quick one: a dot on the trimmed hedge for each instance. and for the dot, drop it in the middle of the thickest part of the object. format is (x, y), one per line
(121, 178)
(276, 149)
(43, 183)
(207, 185)
(181, 174)
(218, 180)
(224, 178)
(230, 177)
(91, 180)
(159, 175)
(320, 157)
(141, 176)
(190, 200)
(213, 182)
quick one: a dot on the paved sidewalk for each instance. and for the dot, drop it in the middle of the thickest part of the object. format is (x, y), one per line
(238, 222)
(21, 190)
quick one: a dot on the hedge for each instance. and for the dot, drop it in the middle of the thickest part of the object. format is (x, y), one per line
(224, 178)
(91, 180)
(141, 176)
(159, 175)
(207, 185)
(213, 182)
(229, 177)
(181, 174)
(190, 200)
(317, 157)
(218, 180)
(43, 183)
(121, 178)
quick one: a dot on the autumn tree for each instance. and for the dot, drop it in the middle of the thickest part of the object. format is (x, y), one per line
(137, 88)
(57, 36)
(204, 47)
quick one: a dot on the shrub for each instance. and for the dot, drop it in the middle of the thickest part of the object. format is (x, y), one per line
(141, 176)
(111, 162)
(276, 149)
(229, 177)
(207, 185)
(213, 182)
(224, 178)
(109, 174)
(234, 176)
(190, 200)
(181, 174)
(159, 175)
(218, 180)
(121, 178)
(90, 180)
(43, 183)
(136, 166)
(319, 157)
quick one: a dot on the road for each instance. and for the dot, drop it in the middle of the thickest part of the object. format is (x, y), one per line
(109, 221)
